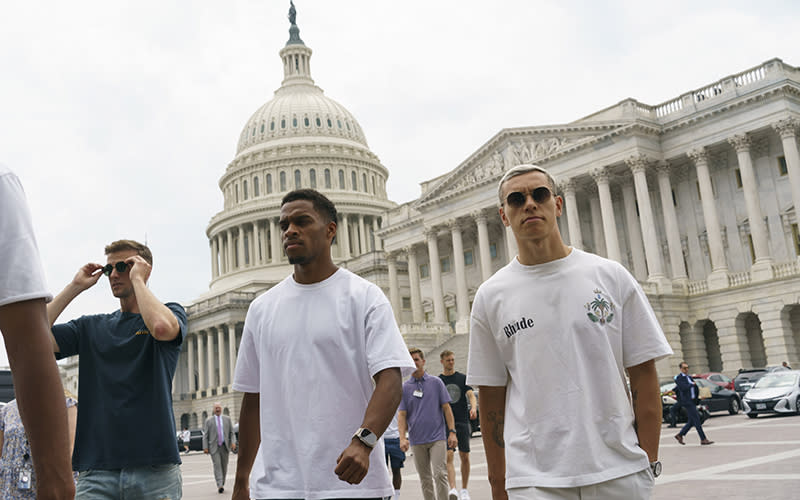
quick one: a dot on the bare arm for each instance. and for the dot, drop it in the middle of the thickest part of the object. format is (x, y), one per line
(646, 400)
(353, 464)
(85, 278)
(473, 405)
(40, 396)
(402, 428)
(72, 423)
(249, 440)
(452, 440)
(493, 410)
(160, 321)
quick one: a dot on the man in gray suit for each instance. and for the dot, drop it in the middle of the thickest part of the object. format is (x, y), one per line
(219, 440)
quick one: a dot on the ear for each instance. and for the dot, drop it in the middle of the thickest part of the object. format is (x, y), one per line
(503, 217)
(331, 231)
(559, 206)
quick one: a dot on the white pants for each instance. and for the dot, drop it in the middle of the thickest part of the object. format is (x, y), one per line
(431, 462)
(638, 486)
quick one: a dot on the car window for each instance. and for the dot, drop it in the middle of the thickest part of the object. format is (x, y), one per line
(777, 380)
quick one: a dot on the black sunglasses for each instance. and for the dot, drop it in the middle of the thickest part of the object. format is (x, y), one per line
(539, 195)
(120, 266)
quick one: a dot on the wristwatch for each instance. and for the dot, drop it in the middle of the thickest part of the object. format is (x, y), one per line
(366, 436)
(656, 468)
(453, 431)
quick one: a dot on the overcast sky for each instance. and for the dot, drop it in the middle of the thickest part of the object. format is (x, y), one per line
(120, 117)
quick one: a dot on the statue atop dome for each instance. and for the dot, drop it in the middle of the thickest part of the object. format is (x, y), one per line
(294, 31)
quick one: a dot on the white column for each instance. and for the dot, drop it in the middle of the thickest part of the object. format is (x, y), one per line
(762, 267)
(575, 238)
(788, 131)
(274, 241)
(214, 261)
(190, 355)
(240, 248)
(634, 232)
(671, 225)
(229, 256)
(201, 365)
(511, 244)
(597, 223)
(362, 230)
(719, 267)
(210, 359)
(413, 283)
(394, 288)
(344, 242)
(607, 211)
(462, 295)
(436, 275)
(255, 259)
(232, 349)
(221, 355)
(483, 244)
(652, 248)
(375, 243)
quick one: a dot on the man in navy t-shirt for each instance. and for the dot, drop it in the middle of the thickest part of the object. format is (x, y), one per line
(124, 441)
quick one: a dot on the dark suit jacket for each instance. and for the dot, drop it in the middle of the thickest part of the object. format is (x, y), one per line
(683, 389)
(210, 433)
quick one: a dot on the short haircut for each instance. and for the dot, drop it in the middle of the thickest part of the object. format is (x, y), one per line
(520, 170)
(444, 354)
(127, 245)
(416, 350)
(321, 203)
(680, 365)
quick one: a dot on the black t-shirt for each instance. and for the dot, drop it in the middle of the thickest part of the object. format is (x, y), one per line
(457, 388)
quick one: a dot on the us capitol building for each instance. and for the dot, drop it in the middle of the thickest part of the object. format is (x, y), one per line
(696, 196)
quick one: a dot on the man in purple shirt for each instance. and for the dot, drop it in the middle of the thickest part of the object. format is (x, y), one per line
(423, 412)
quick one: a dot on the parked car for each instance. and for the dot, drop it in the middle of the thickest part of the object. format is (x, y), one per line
(747, 378)
(718, 378)
(6, 386)
(721, 399)
(196, 441)
(776, 392)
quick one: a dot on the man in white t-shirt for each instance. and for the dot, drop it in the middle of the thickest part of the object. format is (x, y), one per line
(26, 333)
(321, 363)
(552, 335)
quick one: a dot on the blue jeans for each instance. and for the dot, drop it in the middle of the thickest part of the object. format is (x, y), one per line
(148, 482)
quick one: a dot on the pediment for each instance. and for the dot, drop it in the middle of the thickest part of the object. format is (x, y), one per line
(512, 147)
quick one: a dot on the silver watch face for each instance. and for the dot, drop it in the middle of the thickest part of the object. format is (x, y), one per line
(368, 437)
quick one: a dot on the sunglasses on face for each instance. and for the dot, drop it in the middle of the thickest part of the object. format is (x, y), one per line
(120, 266)
(517, 199)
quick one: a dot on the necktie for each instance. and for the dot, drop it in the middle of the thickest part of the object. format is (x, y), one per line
(219, 431)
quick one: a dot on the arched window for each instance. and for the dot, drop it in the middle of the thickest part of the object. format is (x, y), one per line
(297, 179)
(294, 122)
(269, 183)
(327, 178)
(244, 189)
(330, 123)
(255, 187)
(353, 181)
(364, 182)
(237, 193)
(374, 191)
(283, 122)
(262, 128)
(319, 123)
(283, 181)
(306, 122)
(341, 179)
(313, 178)
(272, 125)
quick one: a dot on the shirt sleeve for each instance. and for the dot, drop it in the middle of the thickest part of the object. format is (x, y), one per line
(67, 337)
(642, 337)
(485, 365)
(180, 315)
(384, 344)
(248, 371)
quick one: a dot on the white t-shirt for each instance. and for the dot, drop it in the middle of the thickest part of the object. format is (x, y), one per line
(311, 352)
(558, 336)
(21, 273)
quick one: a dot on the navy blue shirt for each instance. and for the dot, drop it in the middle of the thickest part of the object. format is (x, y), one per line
(125, 414)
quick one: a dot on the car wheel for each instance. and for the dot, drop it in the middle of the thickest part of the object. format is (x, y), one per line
(734, 409)
(752, 415)
(797, 405)
(704, 416)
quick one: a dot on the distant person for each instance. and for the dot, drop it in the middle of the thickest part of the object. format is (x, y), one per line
(17, 477)
(426, 415)
(395, 457)
(673, 408)
(786, 365)
(125, 439)
(186, 438)
(687, 393)
(219, 441)
(23, 323)
(320, 363)
(460, 395)
(552, 335)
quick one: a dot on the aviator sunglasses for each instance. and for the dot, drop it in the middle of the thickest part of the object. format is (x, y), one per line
(120, 266)
(517, 199)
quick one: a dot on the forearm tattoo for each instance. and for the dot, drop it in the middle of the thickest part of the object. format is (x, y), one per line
(496, 421)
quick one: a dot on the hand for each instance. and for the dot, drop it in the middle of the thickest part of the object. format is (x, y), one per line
(404, 444)
(452, 440)
(233, 447)
(473, 413)
(56, 490)
(205, 450)
(140, 269)
(353, 464)
(87, 276)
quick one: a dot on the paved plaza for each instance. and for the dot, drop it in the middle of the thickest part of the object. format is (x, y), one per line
(750, 459)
